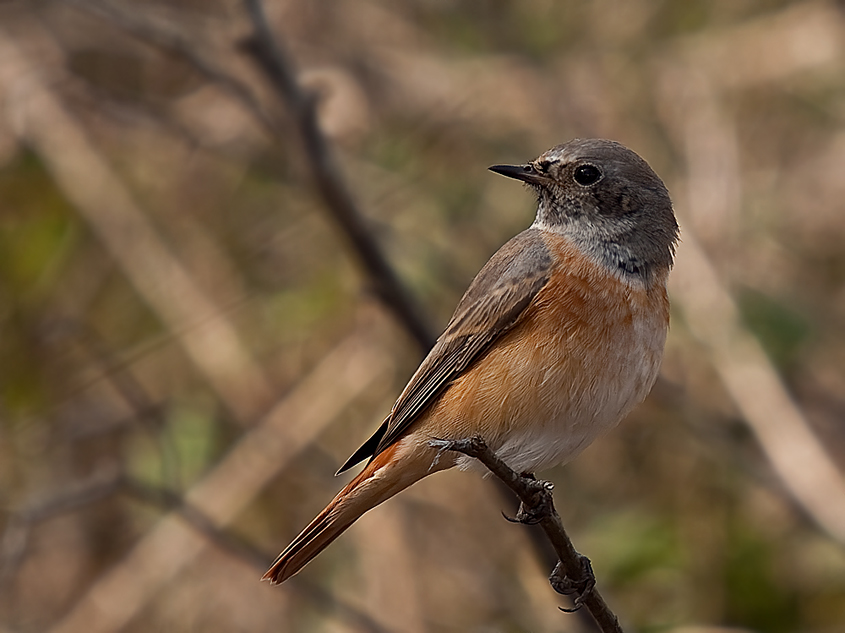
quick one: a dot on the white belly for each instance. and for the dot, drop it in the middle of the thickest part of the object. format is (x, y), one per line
(561, 427)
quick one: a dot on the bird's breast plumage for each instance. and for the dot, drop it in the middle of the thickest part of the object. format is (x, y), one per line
(583, 354)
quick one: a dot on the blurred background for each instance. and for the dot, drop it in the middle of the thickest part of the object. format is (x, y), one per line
(191, 343)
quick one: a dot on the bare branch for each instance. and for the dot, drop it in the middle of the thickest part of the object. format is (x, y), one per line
(271, 59)
(165, 37)
(223, 493)
(573, 574)
(171, 501)
(274, 61)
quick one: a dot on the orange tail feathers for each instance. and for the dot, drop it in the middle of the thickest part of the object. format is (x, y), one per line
(386, 475)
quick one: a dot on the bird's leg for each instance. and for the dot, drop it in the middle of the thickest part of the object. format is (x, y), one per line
(566, 586)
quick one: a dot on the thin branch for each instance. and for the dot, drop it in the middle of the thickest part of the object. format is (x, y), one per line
(226, 489)
(148, 413)
(239, 548)
(208, 505)
(165, 37)
(573, 574)
(15, 538)
(273, 60)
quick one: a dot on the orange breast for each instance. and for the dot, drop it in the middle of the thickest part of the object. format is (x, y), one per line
(586, 350)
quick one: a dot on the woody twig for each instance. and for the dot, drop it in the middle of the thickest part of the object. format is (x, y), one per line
(573, 575)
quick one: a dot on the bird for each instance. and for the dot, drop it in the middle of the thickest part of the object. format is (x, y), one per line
(556, 339)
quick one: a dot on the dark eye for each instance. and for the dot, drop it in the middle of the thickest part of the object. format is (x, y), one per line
(587, 175)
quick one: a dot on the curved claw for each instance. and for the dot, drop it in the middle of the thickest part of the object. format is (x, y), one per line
(565, 585)
(510, 519)
(527, 518)
(523, 517)
(578, 602)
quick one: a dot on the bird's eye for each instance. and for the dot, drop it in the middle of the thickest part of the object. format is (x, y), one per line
(587, 175)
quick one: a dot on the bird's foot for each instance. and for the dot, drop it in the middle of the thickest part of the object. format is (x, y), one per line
(526, 516)
(541, 506)
(566, 586)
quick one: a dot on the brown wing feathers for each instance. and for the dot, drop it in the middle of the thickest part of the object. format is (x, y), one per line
(491, 305)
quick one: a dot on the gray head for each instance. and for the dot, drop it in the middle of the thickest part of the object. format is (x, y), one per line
(607, 200)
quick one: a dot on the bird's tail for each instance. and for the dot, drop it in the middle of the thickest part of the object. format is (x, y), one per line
(384, 476)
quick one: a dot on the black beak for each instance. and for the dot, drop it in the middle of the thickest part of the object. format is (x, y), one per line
(525, 173)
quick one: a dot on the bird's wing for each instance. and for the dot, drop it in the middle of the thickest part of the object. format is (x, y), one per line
(493, 304)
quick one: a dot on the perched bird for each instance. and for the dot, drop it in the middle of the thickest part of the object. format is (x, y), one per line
(557, 338)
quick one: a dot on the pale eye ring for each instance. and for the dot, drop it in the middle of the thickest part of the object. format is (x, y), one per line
(587, 175)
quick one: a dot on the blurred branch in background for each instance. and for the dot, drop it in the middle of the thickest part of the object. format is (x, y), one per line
(102, 485)
(227, 488)
(795, 452)
(88, 181)
(13, 545)
(713, 188)
(329, 184)
(163, 34)
(170, 501)
(271, 57)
